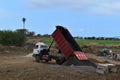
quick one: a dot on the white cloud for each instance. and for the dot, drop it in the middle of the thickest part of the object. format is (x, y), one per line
(61, 3)
(94, 6)
(107, 7)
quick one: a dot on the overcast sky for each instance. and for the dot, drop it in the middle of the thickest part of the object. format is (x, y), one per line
(81, 17)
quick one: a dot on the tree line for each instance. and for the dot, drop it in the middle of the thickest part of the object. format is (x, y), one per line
(18, 37)
(98, 38)
(12, 38)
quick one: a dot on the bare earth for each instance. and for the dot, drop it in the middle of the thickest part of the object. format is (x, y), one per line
(23, 67)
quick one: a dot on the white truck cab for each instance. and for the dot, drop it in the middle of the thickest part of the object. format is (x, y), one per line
(41, 53)
(38, 47)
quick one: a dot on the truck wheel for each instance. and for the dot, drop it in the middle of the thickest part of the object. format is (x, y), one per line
(37, 58)
(60, 61)
(46, 61)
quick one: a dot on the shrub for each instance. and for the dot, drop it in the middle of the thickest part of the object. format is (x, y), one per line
(12, 38)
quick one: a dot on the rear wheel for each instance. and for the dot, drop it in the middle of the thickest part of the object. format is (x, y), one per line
(60, 60)
(46, 61)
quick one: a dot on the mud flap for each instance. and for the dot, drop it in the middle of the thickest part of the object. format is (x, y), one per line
(80, 55)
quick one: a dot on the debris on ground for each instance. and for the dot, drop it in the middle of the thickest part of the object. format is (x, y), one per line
(106, 68)
(109, 54)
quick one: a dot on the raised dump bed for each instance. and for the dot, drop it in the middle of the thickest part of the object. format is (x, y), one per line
(69, 48)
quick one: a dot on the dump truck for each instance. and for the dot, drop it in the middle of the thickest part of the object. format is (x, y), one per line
(72, 53)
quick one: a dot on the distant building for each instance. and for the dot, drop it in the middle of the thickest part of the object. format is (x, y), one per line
(25, 31)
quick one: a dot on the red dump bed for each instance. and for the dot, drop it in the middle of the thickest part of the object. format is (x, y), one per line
(62, 43)
(67, 44)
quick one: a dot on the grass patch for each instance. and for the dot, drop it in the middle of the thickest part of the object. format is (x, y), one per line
(99, 42)
(81, 42)
(46, 40)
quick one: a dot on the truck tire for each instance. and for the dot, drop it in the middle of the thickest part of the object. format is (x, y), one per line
(60, 60)
(46, 61)
(37, 58)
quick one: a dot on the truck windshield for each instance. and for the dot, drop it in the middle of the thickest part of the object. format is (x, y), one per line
(43, 46)
(36, 46)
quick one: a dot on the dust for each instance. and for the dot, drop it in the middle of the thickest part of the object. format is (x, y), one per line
(28, 55)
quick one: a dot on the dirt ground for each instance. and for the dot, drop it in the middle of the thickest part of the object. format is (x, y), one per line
(23, 67)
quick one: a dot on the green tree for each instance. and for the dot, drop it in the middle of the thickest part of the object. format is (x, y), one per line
(12, 38)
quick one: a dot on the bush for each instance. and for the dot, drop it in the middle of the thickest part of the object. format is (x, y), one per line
(11, 38)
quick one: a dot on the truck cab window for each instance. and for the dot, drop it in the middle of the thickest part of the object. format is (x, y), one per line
(43, 46)
(36, 46)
